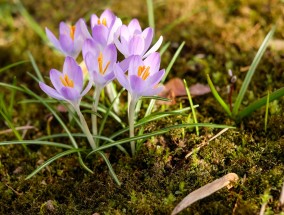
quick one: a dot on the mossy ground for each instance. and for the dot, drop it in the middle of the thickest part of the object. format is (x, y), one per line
(219, 35)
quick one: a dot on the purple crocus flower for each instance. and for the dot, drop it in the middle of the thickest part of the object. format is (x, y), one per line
(68, 84)
(143, 76)
(71, 38)
(100, 62)
(134, 41)
(104, 28)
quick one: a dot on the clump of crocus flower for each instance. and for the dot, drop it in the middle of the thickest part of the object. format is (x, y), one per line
(139, 73)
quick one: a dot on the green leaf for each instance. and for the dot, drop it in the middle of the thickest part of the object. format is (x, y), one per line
(112, 173)
(156, 98)
(218, 97)
(191, 105)
(36, 142)
(151, 19)
(259, 103)
(155, 133)
(251, 71)
(38, 73)
(73, 141)
(59, 155)
(172, 61)
(13, 65)
(92, 112)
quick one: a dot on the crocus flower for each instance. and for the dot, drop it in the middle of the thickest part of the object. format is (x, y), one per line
(142, 80)
(100, 62)
(71, 38)
(143, 76)
(134, 41)
(68, 85)
(104, 28)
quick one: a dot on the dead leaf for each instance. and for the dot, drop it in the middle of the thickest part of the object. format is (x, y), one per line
(206, 190)
(175, 87)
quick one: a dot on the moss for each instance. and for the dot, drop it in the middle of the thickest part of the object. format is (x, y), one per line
(219, 36)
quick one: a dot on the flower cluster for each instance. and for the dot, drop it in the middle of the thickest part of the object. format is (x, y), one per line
(139, 72)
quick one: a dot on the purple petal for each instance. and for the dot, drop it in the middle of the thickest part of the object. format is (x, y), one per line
(148, 37)
(99, 79)
(55, 79)
(82, 30)
(124, 32)
(50, 91)
(154, 47)
(87, 88)
(134, 63)
(70, 94)
(153, 61)
(114, 29)
(134, 27)
(91, 63)
(120, 47)
(94, 20)
(53, 39)
(64, 28)
(137, 84)
(125, 64)
(153, 91)
(136, 45)
(121, 77)
(66, 44)
(74, 72)
(155, 78)
(110, 54)
(109, 16)
(90, 46)
(100, 34)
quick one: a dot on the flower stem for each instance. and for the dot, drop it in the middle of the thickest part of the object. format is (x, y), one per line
(85, 128)
(131, 119)
(96, 97)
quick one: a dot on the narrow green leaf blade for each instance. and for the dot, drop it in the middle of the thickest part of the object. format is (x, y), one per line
(218, 97)
(45, 164)
(259, 103)
(251, 71)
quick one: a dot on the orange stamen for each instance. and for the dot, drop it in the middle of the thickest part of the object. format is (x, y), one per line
(104, 22)
(66, 81)
(100, 61)
(72, 31)
(143, 72)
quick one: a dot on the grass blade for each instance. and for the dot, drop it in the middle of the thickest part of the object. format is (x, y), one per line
(75, 145)
(111, 171)
(150, 10)
(38, 73)
(155, 133)
(173, 61)
(30, 20)
(266, 112)
(259, 103)
(218, 97)
(157, 98)
(191, 105)
(36, 142)
(251, 71)
(164, 48)
(59, 155)
(13, 65)
(147, 119)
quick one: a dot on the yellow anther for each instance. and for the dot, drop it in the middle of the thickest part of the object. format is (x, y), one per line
(104, 22)
(72, 31)
(143, 72)
(100, 61)
(66, 81)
